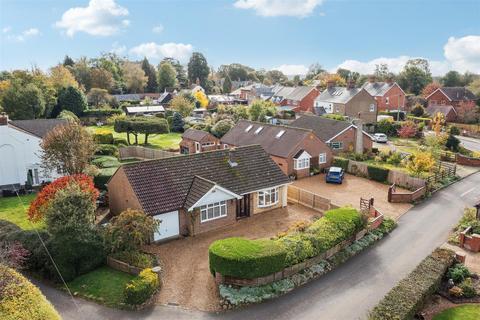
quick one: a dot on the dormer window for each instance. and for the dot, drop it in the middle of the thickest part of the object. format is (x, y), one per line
(258, 130)
(280, 134)
(249, 128)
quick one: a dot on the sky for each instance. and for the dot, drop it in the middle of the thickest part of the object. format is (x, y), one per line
(287, 35)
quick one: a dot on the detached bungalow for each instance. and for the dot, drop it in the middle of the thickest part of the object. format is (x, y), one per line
(195, 141)
(196, 193)
(294, 150)
(341, 136)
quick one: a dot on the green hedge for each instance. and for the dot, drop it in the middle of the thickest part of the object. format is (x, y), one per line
(120, 142)
(103, 138)
(141, 288)
(106, 150)
(377, 173)
(243, 258)
(101, 112)
(106, 162)
(410, 294)
(101, 180)
(340, 162)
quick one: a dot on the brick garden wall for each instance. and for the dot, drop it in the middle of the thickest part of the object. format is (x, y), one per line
(470, 241)
(405, 197)
(468, 161)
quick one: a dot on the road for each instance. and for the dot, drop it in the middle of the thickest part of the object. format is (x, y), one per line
(470, 143)
(345, 293)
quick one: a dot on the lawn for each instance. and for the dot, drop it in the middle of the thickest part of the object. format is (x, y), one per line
(465, 312)
(405, 145)
(104, 285)
(159, 141)
(14, 209)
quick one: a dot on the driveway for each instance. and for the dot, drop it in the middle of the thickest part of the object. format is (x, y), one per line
(351, 190)
(187, 281)
(348, 292)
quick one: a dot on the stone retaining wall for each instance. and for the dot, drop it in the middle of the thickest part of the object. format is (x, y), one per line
(122, 266)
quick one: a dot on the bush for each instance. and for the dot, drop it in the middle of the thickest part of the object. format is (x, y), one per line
(410, 294)
(458, 273)
(120, 142)
(454, 130)
(468, 288)
(106, 162)
(452, 143)
(418, 110)
(334, 116)
(135, 258)
(103, 137)
(141, 288)
(23, 300)
(243, 258)
(102, 178)
(298, 248)
(340, 162)
(7, 228)
(388, 127)
(30, 241)
(377, 173)
(106, 150)
(101, 112)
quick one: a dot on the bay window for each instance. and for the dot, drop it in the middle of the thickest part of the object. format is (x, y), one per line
(267, 197)
(301, 163)
(213, 211)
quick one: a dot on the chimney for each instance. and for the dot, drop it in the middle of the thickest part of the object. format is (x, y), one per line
(351, 84)
(3, 119)
(371, 78)
(231, 161)
(359, 136)
(330, 84)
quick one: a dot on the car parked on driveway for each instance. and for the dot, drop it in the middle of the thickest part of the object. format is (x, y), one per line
(380, 137)
(334, 175)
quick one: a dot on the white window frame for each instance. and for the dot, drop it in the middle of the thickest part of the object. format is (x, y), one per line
(299, 164)
(322, 158)
(372, 107)
(387, 100)
(216, 211)
(197, 147)
(265, 197)
(337, 145)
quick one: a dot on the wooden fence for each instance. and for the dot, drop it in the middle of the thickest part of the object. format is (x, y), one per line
(442, 171)
(138, 152)
(309, 199)
(405, 197)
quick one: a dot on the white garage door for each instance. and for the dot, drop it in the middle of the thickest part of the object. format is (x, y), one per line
(168, 227)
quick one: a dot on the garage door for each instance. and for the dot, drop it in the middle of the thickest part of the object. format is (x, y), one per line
(168, 225)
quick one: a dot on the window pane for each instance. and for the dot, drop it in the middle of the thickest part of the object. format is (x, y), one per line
(204, 215)
(216, 211)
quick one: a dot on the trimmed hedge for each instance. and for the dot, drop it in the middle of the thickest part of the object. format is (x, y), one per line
(243, 258)
(378, 174)
(141, 288)
(340, 162)
(103, 137)
(101, 112)
(22, 300)
(410, 294)
(106, 162)
(106, 150)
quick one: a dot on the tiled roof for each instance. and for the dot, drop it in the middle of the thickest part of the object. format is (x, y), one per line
(195, 135)
(338, 94)
(164, 185)
(458, 93)
(445, 109)
(198, 189)
(377, 88)
(299, 93)
(324, 128)
(37, 127)
(268, 137)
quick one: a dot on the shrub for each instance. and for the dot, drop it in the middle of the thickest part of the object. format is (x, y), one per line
(101, 112)
(468, 288)
(120, 142)
(418, 110)
(388, 127)
(29, 239)
(140, 289)
(410, 294)
(454, 130)
(340, 162)
(408, 130)
(106, 162)
(106, 150)
(7, 228)
(458, 273)
(377, 173)
(135, 258)
(103, 177)
(452, 143)
(20, 299)
(420, 162)
(243, 258)
(103, 137)
(222, 127)
(395, 158)
(298, 248)
(333, 116)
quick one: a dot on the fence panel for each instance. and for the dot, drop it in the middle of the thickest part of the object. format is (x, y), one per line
(143, 153)
(309, 199)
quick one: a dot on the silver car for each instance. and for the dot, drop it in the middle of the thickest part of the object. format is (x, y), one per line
(380, 137)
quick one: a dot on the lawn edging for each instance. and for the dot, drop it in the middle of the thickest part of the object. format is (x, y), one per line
(234, 296)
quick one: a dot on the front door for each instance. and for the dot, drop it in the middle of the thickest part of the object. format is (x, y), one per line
(243, 207)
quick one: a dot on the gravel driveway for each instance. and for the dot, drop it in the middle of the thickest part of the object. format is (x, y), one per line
(186, 278)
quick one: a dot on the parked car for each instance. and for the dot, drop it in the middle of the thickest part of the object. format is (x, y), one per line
(334, 175)
(380, 137)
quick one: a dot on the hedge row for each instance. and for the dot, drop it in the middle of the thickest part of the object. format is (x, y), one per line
(377, 173)
(340, 162)
(101, 112)
(409, 296)
(141, 288)
(242, 258)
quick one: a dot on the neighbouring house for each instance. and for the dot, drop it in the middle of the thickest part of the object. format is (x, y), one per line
(195, 141)
(20, 151)
(341, 136)
(389, 95)
(295, 150)
(253, 91)
(216, 99)
(144, 110)
(460, 98)
(348, 101)
(447, 110)
(195, 193)
(165, 98)
(300, 99)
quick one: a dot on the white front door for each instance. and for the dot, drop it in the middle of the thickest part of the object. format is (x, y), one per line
(169, 226)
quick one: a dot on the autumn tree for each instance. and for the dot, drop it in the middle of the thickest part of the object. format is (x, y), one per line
(314, 70)
(438, 122)
(167, 76)
(152, 85)
(430, 88)
(198, 69)
(134, 76)
(68, 147)
(408, 130)
(61, 77)
(420, 162)
(98, 97)
(101, 78)
(182, 78)
(276, 77)
(182, 105)
(201, 99)
(82, 72)
(259, 109)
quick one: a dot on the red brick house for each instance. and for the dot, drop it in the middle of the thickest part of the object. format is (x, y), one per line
(460, 98)
(294, 150)
(195, 141)
(389, 95)
(447, 110)
(196, 193)
(299, 98)
(341, 136)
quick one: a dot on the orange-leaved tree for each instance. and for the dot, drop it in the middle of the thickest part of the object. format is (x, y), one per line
(37, 208)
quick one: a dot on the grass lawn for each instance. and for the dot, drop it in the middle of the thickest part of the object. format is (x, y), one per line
(406, 145)
(159, 141)
(465, 312)
(11, 209)
(104, 285)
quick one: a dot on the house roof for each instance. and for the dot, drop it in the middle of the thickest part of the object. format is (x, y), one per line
(298, 93)
(165, 97)
(445, 109)
(195, 135)
(324, 128)
(338, 94)
(135, 96)
(168, 184)
(378, 88)
(198, 189)
(37, 127)
(458, 93)
(142, 109)
(283, 146)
